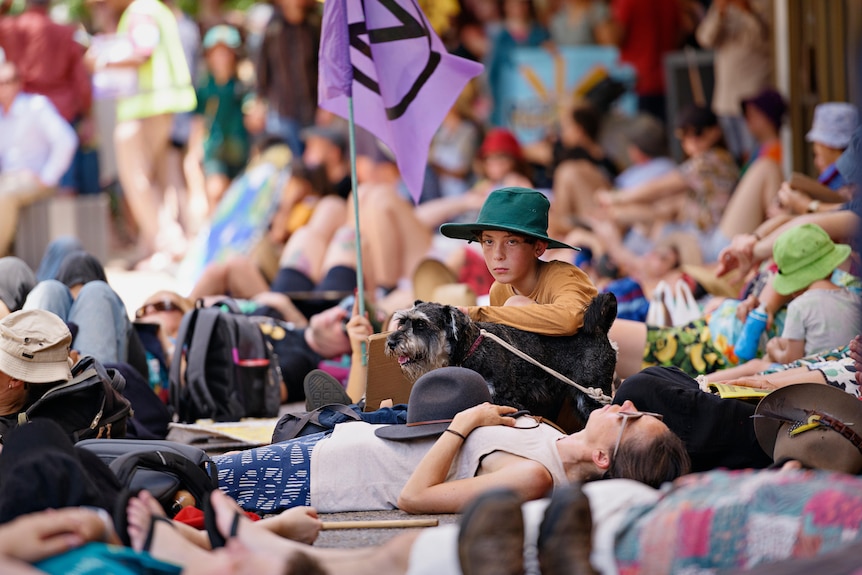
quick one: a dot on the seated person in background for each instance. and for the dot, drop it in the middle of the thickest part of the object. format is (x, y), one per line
(692, 198)
(81, 296)
(830, 135)
(36, 147)
(500, 163)
(577, 183)
(530, 294)
(16, 281)
(454, 146)
(822, 315)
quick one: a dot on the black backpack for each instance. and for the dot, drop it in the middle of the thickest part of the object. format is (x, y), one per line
(160, 467)
(89, 406)
(223, 368)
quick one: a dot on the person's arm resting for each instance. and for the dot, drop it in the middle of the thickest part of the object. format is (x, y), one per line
(427, 490)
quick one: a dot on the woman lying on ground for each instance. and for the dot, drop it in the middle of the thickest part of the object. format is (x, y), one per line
(451, 425)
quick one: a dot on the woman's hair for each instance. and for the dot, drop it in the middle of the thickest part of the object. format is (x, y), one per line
(696, 120)
(650, 460)
(589, 119)
(501, 6)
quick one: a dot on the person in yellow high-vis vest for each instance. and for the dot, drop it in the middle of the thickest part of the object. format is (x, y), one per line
(144, 117)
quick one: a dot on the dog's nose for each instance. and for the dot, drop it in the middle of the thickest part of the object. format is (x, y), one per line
(391, 343)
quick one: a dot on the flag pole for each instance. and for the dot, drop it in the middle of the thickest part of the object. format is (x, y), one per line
(360, 284)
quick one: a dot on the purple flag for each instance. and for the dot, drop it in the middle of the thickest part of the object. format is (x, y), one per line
(336, 74)
(403, 80)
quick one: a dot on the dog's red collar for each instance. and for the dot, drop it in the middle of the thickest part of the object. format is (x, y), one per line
(474, 347)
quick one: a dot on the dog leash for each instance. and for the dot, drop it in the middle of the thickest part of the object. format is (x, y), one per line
(593, 392)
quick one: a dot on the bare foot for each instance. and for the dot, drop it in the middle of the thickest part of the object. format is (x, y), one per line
(141, 512)
(147, 520)
(298, 523)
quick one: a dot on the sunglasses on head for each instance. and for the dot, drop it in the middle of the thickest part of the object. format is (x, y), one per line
(154, 307)
(626, 416)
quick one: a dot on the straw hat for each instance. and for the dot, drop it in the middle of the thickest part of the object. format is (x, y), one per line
(433, 281)
(832, 441)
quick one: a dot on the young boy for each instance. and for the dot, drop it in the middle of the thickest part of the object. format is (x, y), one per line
(219, 136)
(548, 298)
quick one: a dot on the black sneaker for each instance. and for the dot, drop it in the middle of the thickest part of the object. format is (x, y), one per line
(565, 536)
(491, 540)
(323, 389)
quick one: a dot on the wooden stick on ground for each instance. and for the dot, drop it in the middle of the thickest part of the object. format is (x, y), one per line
(379, 524)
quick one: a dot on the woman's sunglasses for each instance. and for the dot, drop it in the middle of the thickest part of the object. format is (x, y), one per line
(154, 307)
(626, 416)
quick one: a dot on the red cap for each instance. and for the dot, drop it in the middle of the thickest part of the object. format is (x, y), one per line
(501, 141)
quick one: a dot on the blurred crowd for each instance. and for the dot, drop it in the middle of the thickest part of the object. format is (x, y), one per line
(178, 116)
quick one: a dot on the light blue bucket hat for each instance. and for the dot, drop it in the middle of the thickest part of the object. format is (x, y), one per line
(833, 125)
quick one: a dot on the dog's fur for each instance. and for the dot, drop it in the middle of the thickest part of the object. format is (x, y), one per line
(431, 335)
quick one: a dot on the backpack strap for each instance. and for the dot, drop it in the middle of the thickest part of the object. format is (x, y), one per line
(293, 428)
(194, 479)
(197, 359)
(175, 381)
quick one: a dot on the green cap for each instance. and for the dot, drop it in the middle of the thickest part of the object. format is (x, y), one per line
(517, 210)
(222, 34)
(805, 254)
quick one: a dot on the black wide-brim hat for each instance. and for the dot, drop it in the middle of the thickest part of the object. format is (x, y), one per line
(435, 399)
(786, 425)
(517, 210)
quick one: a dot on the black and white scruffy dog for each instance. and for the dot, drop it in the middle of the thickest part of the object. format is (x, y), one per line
(431, 335)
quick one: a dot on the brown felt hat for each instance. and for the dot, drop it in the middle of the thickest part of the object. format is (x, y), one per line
(434, 401)
(818, 425)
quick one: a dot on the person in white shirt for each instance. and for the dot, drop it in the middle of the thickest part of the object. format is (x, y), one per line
(36, 148)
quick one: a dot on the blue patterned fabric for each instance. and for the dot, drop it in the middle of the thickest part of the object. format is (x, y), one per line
(271, 478)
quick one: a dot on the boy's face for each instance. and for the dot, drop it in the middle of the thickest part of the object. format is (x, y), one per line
(509, 257)
(221, 60)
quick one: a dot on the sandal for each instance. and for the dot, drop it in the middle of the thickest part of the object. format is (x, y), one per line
(121, 519)
(148, 541)
(216, 538)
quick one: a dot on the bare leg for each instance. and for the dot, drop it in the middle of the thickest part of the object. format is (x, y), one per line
(216, 185)
(747, 206)
(631, 339)
(238, 277)
(140, 147)
(575, 185)
(306, 248)
(393, 239)
(389, 559)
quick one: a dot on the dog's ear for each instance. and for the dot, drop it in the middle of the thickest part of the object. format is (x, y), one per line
(600, 314)
(417, 302)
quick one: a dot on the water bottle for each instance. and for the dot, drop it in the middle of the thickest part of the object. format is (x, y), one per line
(747, 344)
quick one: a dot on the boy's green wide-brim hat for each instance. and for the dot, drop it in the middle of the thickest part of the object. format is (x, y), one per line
(517, 210)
